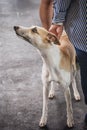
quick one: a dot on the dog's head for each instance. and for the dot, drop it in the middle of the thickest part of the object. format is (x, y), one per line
(37, 36)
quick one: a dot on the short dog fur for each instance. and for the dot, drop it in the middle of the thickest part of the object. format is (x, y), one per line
(59, 65)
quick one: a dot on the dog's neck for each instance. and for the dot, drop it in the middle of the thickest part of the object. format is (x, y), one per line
(51, 56)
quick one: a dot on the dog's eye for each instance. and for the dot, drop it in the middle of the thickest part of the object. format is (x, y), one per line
(34, 30)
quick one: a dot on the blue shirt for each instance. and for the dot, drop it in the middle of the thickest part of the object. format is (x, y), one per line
(73, 14)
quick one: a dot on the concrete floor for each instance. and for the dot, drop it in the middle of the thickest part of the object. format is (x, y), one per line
(20, 81)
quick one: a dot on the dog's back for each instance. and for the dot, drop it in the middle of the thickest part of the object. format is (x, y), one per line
(68, 51)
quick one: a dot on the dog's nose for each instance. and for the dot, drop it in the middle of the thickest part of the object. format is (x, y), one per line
(16, 28)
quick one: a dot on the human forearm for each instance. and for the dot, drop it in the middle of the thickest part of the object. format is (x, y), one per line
(46, 13)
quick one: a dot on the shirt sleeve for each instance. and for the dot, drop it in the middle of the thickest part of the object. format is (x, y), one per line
(60, 10)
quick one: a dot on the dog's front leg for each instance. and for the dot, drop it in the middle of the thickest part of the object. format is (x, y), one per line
(43, 120)
(70, 121)
(75, 90)
(46, 85)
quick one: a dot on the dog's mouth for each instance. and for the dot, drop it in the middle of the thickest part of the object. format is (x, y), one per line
(27, 39)
(23, 37)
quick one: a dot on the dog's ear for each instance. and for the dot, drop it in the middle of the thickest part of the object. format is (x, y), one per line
(52, 38)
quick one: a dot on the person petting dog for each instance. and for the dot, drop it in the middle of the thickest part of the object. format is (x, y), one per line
(70, 14)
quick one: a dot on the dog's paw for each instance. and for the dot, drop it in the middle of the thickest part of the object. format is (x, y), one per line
(77, 97)
(70, 123)
(43, 122)
(51, 95)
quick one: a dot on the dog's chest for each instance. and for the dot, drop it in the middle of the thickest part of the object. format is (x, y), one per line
(59, 75)
(52, 61)
(52, 58)
(54, 74)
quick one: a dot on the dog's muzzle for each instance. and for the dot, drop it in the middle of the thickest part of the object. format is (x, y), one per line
(16, 28)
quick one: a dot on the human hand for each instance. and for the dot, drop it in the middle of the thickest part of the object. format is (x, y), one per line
(57, 30)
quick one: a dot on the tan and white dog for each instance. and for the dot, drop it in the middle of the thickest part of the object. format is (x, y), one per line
(59, 65)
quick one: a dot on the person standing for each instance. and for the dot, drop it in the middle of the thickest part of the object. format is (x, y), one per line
(70, 14)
